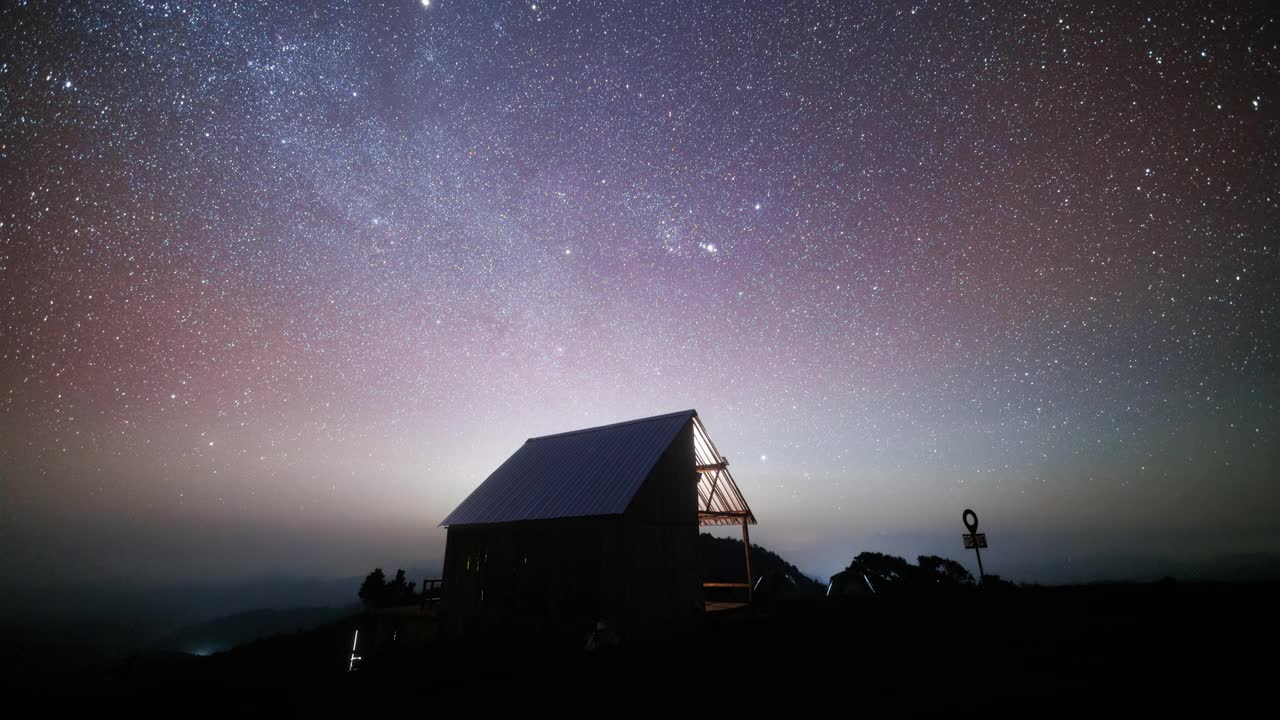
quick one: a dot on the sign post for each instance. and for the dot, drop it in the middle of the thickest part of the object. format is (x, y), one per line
(974, 539)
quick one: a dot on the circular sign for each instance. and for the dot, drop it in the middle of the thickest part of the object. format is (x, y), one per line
(970, 520)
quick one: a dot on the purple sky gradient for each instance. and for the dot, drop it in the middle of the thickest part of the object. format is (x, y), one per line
(280, 285)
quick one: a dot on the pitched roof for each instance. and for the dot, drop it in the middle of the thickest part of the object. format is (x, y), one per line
(583, 473)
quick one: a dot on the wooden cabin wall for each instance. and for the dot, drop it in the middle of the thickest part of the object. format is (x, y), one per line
(535, 576)
(657, 587)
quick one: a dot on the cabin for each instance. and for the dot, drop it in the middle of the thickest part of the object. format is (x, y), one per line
(594, 529)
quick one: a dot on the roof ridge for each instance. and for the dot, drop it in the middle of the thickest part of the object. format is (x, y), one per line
(690, 412)
(581, 473)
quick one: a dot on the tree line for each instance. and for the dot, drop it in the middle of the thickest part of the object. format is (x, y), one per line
(880, 573)
(377, 592)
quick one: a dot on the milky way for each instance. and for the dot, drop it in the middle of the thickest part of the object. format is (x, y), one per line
(280, 284)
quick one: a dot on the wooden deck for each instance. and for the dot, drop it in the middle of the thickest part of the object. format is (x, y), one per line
(718, 606)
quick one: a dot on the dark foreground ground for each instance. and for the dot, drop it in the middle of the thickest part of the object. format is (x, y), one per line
(1154, 643)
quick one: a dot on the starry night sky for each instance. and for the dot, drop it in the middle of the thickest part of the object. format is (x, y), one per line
(281, 283)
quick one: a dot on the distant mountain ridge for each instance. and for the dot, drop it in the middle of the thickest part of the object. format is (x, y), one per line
(69, 626)
(227, 632)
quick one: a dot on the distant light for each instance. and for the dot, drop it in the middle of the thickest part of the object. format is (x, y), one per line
(764, 458)
(426, 3)
(757, 206)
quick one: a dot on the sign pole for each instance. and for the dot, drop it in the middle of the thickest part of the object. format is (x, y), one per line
(975, 540)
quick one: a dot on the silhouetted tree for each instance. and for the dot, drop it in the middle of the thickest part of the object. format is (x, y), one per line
(373, 589)
(721, 559)
(886, 572)
(942, 572)
(376, 592)
(892, 574)
(399, 592)
(993, 583)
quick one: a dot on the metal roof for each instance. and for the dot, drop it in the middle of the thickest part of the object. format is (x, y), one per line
(575, 474)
